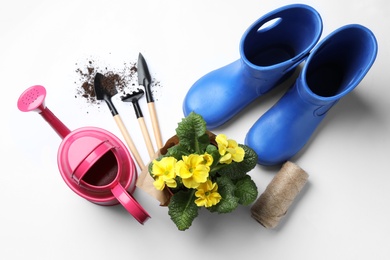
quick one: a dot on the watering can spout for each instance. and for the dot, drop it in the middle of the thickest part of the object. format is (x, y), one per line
(33, 99)
(55, 123)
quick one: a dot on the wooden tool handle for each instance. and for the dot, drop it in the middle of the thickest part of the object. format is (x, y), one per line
(156, 127)
(129, 141)
(146, 136)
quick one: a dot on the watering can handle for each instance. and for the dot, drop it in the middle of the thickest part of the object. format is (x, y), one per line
(130, 204)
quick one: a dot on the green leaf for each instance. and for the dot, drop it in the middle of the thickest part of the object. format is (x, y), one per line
(239, 170)
(246, 190)
(229, 201)
(183, 209)
(150, 168)
(191, 131)
(177, 151)
(211, 149)
(203, 142)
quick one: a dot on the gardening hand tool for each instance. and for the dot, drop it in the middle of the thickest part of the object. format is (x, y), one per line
(104, 91)
(133, 98)
(333, 69)
(270, 50)
(93, 162)
(145, 80)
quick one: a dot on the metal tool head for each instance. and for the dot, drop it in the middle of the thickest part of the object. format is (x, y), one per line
(133, 96)
(144, 77)
(104, 87)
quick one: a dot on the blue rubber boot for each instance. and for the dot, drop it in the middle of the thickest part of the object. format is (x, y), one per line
(333, 69)
(270, 50)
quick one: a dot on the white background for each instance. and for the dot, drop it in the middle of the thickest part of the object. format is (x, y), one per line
(342, 213)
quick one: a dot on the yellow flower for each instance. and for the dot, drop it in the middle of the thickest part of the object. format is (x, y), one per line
(207, 194)
(193, 170)
(163, 172)
(229, 150)
(208, 159)
(222, 142)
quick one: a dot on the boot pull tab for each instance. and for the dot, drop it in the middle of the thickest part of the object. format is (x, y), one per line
(322, 110)
(270, 24)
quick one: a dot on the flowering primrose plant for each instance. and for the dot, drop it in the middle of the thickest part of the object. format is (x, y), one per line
(203, 170)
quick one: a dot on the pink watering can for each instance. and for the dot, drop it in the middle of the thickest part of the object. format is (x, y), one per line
(93, 162)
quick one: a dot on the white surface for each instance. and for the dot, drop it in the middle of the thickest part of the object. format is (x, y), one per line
(342, 213)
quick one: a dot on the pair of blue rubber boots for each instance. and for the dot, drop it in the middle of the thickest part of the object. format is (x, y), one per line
(270, 51)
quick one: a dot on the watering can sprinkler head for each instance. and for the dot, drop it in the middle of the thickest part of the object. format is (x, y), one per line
(33, 99)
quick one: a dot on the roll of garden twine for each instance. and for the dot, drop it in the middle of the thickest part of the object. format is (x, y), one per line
(273, 203)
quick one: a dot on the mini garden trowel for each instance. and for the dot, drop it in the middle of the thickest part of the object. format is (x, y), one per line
(104, 90)
(145, 80)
